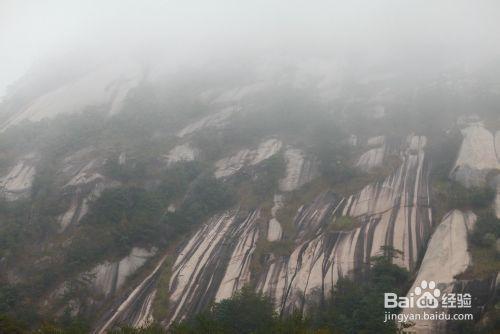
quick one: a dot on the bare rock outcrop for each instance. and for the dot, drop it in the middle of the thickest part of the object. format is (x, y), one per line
(374, 157)
(213, 264)
(216, 261)
(110, 276)
(446, 256)
(83, 184)
(228, 166)
(17, 183)
(216, 120)
(300, 170)
(478, 155)
(393, 212)
(183, 152)
(107, 85)
(274, 229)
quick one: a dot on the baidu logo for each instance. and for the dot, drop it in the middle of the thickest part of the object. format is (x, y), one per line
(426, 295)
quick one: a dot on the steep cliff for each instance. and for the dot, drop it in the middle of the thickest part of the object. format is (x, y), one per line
(176, 198)
(446, 257)
(215, 262)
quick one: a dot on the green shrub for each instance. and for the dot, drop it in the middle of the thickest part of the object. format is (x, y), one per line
(343, 223)
(206, 196)
(486, 230)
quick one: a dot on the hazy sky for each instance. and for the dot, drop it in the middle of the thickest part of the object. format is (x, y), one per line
(188, 30)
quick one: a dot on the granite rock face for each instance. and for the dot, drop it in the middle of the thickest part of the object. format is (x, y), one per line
(229, 166)
(215, 262)
(400, 201)
(274, 229)
(135, 308)
(83, 183)
(300, 170)
(183, 152)
(216, 120)
(446, 256)
(17, 182)
(106, 86)
(393, 212)
(111, 276)
(479, 154)
(374, 157)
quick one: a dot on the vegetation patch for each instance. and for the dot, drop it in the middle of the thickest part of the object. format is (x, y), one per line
(161, 300)
(343, 223)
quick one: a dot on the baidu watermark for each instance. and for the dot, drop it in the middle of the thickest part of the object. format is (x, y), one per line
(431, 303)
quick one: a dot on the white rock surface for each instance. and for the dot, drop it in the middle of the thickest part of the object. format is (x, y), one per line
(228, 166)
(238, 269)
(392, 212)
(193, 260)
(216, 120)
(127, 311)
(477, 156)
(376, 141)
(110, 276)
(213, 264)
(274, 230)
(81, 167)
(17, 183)
(299, 170)
(85, 175)
(84, 184)
(374, 157)
(66, 218)
(106, 85)
(446, 257)
(180, 153)
(371, 159)
(122, 158)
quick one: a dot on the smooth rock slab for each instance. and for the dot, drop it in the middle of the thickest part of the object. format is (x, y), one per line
(299, 170)
(110, 276)
(228, 166)
(213, 264)
(477, 156)
(274, 230)
(392, 212)
(374, 157)
(371, 159)
(107, 85)
(446, 257)
(216, 120)
(17, 183)
(180, 153)
(376, 141)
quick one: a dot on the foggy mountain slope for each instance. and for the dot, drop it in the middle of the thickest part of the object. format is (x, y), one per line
(106, 85)
(181, 197)
(316, 263)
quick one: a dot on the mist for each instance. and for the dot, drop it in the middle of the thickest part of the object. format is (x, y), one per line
(170, 34)
(265, 166)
